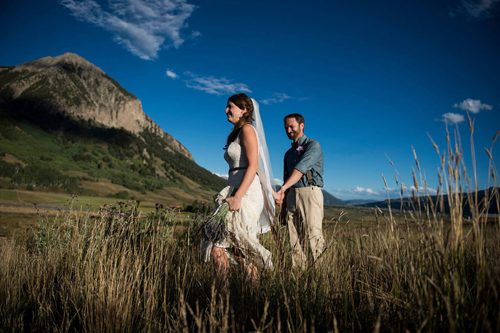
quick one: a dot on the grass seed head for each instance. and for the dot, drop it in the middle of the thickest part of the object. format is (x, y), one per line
(471, 124)
(415, 182)
(385, 182)
(489, 154)
(495, 137)
(416, 159)
(434, 144)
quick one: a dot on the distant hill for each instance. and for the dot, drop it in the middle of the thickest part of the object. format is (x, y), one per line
(356, 202)
(65, 125)
(410, 204)
(329, 199)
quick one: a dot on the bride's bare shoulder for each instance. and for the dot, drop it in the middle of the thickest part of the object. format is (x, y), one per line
(248, 130)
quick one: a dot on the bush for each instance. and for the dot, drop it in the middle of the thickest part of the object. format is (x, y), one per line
(119, 195)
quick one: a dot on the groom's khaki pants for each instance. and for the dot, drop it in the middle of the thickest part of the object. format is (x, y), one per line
(305, 219)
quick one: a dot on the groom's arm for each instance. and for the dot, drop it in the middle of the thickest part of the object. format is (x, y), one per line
(292, 180)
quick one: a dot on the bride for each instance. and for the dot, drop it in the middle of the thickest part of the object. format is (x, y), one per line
(251, 205)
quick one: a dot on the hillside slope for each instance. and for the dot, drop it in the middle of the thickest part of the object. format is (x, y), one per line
(53, 138)
(71, 85)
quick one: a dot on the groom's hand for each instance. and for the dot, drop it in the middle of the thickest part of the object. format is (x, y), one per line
(278, 197)
(281, 197)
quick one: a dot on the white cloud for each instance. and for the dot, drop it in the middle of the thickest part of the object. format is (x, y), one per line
(365, 191)
(473, 105)
(359, 193)
(212, 85)
(277, 98)
(452, 118)
(431, 191)
(277, 181)
(380, 194)
(141, 26)
(223, 176)
(171, 74)
(421, 190)
(477, 8)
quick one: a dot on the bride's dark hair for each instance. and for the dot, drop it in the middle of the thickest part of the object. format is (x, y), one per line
(243, 102)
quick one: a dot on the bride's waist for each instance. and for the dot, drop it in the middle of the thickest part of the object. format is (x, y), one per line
(236, 177)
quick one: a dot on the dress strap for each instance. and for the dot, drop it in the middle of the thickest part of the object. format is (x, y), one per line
(237, 168)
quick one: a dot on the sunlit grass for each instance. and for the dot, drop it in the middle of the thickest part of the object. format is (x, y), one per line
(409, 271)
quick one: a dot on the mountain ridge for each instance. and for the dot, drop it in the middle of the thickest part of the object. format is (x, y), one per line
(409, 203)
(67, 126)
(72, 85)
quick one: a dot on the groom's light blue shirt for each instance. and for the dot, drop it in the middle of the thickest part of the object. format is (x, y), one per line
(306, 156)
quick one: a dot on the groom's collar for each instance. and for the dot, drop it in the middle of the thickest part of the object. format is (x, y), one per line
(300, 141)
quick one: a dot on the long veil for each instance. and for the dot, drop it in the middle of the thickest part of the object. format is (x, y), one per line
(265, 172)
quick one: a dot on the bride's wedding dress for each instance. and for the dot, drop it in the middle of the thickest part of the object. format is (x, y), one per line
(243, 225)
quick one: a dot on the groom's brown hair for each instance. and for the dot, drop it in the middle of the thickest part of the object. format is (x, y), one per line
(297, 117)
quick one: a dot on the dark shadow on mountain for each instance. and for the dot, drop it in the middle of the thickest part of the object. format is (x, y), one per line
(52, 119)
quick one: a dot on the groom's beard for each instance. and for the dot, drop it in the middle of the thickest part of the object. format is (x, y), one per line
(293, 135)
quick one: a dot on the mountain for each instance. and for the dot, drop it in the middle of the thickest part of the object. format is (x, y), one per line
(356, 202)
(68, 83)
(412, 204)
(66, 126)
(329, 199)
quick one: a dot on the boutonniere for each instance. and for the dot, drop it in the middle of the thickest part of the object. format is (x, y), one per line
(300, 150)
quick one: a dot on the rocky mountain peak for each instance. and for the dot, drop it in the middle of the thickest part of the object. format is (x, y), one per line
(69, 83)
(62, 61)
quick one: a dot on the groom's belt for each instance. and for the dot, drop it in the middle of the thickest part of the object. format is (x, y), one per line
(238, 168)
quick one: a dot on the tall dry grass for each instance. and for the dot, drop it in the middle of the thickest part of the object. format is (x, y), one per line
(113, 272)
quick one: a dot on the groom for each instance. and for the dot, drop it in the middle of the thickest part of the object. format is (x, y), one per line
(301, 194)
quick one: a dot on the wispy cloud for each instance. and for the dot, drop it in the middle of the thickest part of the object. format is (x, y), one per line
(276, 98)
(421, 191)
(380, 194)
(452, 118)
(277, 181)
(213, 85)
(223, 176)
(362, 190)
(477, 8)
(358, 191)
(142, 26)
(473, 105)
(171, 74)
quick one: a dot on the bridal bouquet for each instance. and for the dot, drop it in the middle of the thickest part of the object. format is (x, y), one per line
(215, 227)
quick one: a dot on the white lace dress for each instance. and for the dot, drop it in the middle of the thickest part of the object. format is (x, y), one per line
(243, 225)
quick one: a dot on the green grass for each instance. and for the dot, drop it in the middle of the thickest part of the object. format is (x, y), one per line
(8, 195)
(66, 145)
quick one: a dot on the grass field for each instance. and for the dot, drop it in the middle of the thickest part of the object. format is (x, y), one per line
(381, 271)
(18, 209)
(24, 213)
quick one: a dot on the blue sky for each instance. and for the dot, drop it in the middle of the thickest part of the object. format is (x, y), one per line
(371, 78)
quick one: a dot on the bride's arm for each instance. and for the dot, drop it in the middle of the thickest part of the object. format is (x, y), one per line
(248, 141)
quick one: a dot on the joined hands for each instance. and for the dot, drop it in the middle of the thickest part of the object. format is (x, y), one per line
(279, 196)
